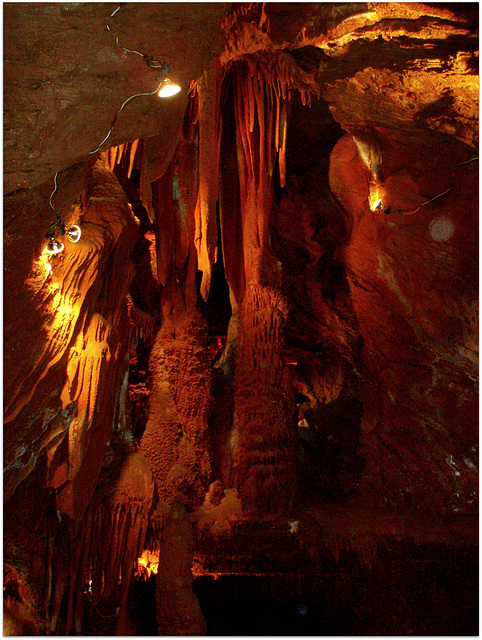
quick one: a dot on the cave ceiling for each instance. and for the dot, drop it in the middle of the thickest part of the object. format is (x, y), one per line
(61, 85)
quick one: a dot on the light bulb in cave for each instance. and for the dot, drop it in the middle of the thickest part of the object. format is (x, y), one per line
(54, 246)
(377, 205)
(73, 233)
(168, 88)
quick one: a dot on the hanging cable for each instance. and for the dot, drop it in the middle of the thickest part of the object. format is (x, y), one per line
(150, 62)
(137, 95)
(404, 212)
(54, 191)
(56, 226)
(409, 213)
(73, 232)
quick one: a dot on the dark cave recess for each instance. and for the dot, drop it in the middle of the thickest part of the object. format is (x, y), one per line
(409, 590)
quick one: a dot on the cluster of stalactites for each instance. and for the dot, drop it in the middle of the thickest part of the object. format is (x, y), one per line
(264, 87)
(110, 541)
(115, 155)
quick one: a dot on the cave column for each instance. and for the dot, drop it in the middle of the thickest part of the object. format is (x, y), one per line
(176, 439)
(263, 407)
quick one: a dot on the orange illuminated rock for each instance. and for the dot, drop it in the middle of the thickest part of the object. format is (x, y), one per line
(414, 290)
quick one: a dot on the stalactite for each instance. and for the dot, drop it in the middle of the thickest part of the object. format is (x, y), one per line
(144, 323)
(110, 538)
(175, 229)
(206, 232)
(120, 152)
(132, 156)
(157, 153)
(166, 213)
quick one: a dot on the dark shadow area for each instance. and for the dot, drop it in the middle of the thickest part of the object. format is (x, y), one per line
(429, 590)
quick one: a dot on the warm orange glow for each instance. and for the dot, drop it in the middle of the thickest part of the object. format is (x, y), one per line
(64, 310)
(168, 89)
(375, 198)
(40, 274)
(148, 563)
(43, 263)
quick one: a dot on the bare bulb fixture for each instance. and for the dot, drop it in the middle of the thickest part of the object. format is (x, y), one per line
(378, 206)
(73, 233)
(54, 246)
(168, 89)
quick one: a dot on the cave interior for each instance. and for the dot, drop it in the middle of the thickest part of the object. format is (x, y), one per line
(243, 397)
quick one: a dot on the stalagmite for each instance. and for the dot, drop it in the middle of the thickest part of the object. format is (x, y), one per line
(285, 422)
(178, 611)
(176, 437)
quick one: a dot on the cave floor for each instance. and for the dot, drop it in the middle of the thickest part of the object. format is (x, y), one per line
(341, 570)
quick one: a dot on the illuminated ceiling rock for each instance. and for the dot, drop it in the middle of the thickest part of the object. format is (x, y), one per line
(335, 27)
(60, 102)
(417, 77)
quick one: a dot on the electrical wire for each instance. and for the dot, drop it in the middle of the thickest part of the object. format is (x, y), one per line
(149, 59)
(152, 63)
(54, 191)
(57, 225)
(409, 213)
(137, 95)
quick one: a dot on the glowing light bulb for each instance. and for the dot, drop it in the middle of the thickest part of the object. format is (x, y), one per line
(54, 246)
(168, 88)
(377, 205)
(73, 233)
